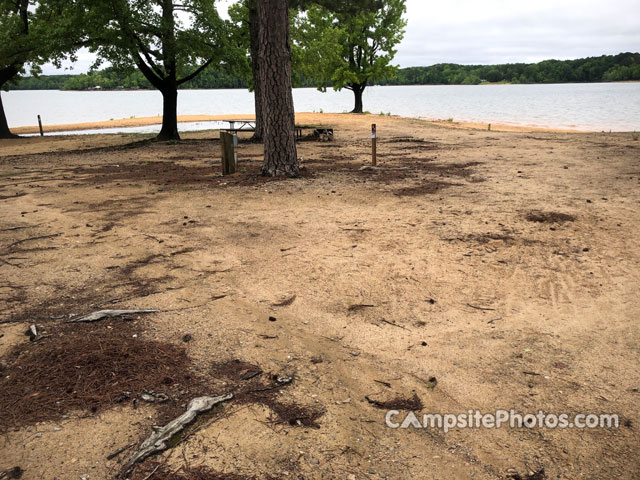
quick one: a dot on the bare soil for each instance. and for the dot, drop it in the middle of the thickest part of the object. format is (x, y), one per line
(474, 270)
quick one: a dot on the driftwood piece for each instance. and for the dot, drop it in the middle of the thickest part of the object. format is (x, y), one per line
(158, 440)
(95, 316)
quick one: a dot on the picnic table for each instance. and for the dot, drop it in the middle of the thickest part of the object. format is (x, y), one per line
(243, 125)
(319, 131)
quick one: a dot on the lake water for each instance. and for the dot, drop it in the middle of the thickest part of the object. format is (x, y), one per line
(599, 106)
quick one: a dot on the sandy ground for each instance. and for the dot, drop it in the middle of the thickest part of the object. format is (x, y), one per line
(427, 276)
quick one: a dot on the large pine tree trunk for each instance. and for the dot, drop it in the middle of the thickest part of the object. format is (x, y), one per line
(4, 126)
(280, 155)
(169, 129)
(254, 29)
(169, 85)
(358, 90)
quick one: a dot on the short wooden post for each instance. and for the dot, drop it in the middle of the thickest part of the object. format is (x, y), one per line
(374, 159)
(489, 128)
(40, 125)
(228, 154)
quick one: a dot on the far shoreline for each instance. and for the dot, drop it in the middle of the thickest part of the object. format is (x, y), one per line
(91, 90)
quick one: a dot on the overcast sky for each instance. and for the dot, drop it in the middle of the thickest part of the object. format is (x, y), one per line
(502, 31)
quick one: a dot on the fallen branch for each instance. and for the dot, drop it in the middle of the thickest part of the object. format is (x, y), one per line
(33, 238)
(157, 441)
(95, 316)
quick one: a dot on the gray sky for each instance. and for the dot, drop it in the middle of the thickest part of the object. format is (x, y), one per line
(502, 31)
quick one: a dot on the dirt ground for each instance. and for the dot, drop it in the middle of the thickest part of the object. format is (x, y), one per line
(474, 270)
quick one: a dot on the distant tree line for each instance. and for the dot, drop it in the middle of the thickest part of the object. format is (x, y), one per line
(111, 79)
(607, 68)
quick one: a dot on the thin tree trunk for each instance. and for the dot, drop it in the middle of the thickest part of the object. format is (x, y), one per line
(280, 154)
(169, 129)
(254, 31)
(358, 90)
(4, 126)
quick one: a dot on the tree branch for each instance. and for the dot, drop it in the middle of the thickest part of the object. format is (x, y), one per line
(196, 72)
(155, 80)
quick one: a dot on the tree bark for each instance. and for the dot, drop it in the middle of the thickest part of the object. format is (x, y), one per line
(358, 90)
(169, 129)
(254, 33)
(169, 86)
(280, 154)
(6, 74)
(4, 126)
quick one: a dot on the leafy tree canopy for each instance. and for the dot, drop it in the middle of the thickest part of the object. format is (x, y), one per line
(349, 48)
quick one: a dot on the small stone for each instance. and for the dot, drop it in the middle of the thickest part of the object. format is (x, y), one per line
(272, 319)
(39, 434)
(355, 354)
(57, 429)
(187, 338)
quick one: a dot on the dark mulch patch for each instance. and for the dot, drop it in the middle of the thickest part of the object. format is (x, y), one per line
(537, 475)
(413, 403)
(235, 370)
(250, 385)
(549, 217)
(159, 471)
(87, 367)
(425, 188)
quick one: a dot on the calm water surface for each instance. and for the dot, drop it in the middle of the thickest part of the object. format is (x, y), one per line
(599, 106)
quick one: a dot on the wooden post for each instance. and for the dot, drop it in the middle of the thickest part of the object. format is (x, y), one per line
(228, 157)
(40, 125)
(374, 160)
(489, 128)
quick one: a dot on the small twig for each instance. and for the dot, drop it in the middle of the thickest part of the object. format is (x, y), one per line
(481, 308)
(286, 302)
(532, 373)
(113, 455)
(386, 384)
(394, 324)
(152, 472)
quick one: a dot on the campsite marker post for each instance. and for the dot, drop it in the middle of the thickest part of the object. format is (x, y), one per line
(373, 145)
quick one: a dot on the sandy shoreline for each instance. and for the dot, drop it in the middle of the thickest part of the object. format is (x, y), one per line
(157, 120)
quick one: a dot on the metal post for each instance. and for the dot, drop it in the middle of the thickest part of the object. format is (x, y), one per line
(40, 125)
